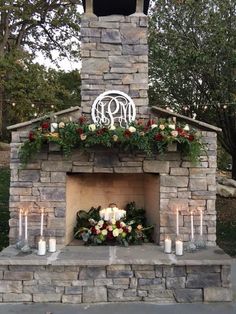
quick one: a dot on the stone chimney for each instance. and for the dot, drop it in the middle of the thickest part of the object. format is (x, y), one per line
(114, 52)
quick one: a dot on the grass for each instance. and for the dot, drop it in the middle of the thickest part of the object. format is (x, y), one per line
(4, 206)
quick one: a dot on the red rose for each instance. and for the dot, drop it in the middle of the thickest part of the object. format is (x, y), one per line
(158, 137)
(31, 136)
(127, 133)
(80, 131)
(93, 230)
(150, 122)
(82, 120)
(45, 125)
(100, 132)
(118, 224)
(110, 235)
(191, 137)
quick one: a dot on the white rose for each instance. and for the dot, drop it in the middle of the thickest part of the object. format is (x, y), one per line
(120, 230)
(129, 229)
(186, 128)
(112, 127)
(97, 227)
(83, 137)
(132, 129)
(101, 222)
(104, 232)
(172, 126)
(92, 127)
(115, 232)
(115, 138)
(61, 125)
(113, 221)
(122, 224)
(162, 127)
(174, 133)
(153, 126)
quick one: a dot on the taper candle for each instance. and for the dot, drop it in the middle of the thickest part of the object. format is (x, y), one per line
(26, 224)
(20, 222)
(201, 218)
(177, 221)
(192, 231)
(41, 225)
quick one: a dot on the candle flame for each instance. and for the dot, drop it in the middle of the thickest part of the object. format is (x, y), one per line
(26, 212)
(42, 210)
(22, 210)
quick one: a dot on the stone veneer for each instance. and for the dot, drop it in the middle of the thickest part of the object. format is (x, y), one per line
(114, 53)
(43, 184)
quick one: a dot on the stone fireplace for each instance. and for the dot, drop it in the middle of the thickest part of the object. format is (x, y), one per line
(114, 55)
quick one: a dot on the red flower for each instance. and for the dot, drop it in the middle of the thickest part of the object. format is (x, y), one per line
(191, 137)
(80, 131)
(118, 224)
(45, 125)
(150, 122)
(82, 120)
(93, 230)
(100, 132)
(110, 235)
(181, 132)
(158, 137)
(31, 136)
(127, 133)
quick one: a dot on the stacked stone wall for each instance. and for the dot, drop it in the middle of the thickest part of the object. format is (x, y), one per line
(115, 283)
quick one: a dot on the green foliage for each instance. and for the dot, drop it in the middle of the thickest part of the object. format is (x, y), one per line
(4, 207)
(150, 138)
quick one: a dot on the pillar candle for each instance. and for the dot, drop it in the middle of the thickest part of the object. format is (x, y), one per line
(26, 225)
(52, 245)
(41, 224)
(177, 221)
(167, 248)
(179, 247)
(20, 222)
(201, 222)
(41, 247)
(192, 231)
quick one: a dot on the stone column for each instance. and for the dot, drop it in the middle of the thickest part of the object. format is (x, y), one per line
(139, 7)
(89, 7)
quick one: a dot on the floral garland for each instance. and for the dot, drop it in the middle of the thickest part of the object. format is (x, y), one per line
(151, 137)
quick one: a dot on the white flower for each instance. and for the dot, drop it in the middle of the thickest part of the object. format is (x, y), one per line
(162, 127)
(132, 129)
(100, 223)
(139, 227)
(120, 230)
(92, 127)
(104, 232)
(109, 228)
(186, 128)
(122, 224)
(112, 127)
(129, 229)
(61, 125)
(172, 126)
(153, 126)
(174, 133)
(83, 137)
(97, 227)
(113, 221)
(115, 138)
(115, 232)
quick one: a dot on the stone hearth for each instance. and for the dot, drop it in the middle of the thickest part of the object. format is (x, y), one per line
(115, 274)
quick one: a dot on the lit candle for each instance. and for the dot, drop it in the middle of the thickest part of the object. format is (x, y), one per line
(201, 221)
(192, 231)
(26, 224)
(20, 222)
(41, 247)
(41, 225)
(167, 248)
(179, 247)
(52, 245)
(177, 221)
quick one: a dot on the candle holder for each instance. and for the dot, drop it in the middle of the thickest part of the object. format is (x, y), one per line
(191, 247)
(200, 242)
(26, 248)
(19, 243)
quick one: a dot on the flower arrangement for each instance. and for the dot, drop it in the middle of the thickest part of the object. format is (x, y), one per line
(151, 137)
(129, 228)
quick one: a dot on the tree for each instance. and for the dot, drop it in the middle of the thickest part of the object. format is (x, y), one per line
(193, 62)
(33, 26)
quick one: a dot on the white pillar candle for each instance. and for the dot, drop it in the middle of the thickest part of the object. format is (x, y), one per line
(41, 224)
(52, 245)
(41, 247)
(20, 223)
(192, 231)
(201, 222)
(26, 225)
(167, 246)
(177, 221)
(179, 247)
